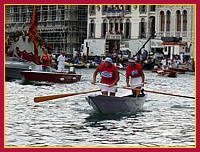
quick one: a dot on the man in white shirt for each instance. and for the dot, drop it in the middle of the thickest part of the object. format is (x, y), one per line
(61, 62)
(163, 63)
(181, 57)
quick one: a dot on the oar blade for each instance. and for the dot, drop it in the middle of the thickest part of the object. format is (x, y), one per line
(51, 97)
(45, 98)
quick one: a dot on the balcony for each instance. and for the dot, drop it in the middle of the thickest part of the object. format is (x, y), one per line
(113, 37)
(114, 13)
(173, 34)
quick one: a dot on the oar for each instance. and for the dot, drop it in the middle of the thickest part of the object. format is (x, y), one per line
(122, 73)
(164, 93)
(51, 97)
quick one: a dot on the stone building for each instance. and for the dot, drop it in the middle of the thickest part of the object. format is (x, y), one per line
(64, 27)
(131, 22)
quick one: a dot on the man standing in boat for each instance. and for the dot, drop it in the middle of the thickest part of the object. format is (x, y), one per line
(134, 70)
(61, 62)
(15, 53)
(45, 60)
(109, 77)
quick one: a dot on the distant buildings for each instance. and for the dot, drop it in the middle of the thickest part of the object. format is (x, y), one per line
(66, 26)
(61, 26)
(129, 22)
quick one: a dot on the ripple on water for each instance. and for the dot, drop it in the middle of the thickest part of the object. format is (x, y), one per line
(164, 120)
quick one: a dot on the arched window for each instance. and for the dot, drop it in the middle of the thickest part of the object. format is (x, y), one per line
(111, 26)
(143, 28)
(92, 29)
(121, 26)
(168, 21)
(162, 21)
(92, 9)
(116, 26)
(142, 9)
(184, 20)
(178, 20)
(104, 28)
(128, 29)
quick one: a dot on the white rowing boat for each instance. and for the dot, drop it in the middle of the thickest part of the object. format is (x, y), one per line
(110, 104)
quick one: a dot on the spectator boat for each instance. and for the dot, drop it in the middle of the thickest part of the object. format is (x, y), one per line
(55, 77)
(13, 67)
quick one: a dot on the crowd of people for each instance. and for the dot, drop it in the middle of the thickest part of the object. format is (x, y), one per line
(108, 68)
(117, 59)
(176, 62)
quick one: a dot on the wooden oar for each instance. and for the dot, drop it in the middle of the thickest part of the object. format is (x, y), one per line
(164, 93)
(122, 73)
(51, 97)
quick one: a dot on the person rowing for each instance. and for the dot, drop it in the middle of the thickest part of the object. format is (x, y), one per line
(134, 70)
(109, 76)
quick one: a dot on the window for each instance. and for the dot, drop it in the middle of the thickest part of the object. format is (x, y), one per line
(162, 21)
(178, 21)
(153, 8)
(62, 13)
(185, 20)
(168, 20)
(53, 12)
(16, 13)
(44, 13)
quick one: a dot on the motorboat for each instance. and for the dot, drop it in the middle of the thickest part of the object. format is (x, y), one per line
(14, 65)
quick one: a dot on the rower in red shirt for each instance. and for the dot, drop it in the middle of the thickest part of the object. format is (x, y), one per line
(134, 70)
(109, 76)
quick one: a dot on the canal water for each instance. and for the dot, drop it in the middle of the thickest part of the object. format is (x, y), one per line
(164, 121)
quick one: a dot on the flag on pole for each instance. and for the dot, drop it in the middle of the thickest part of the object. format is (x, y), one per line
(33, 33)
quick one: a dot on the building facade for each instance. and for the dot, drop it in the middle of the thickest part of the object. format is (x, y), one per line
(131, 22)
(64, 27)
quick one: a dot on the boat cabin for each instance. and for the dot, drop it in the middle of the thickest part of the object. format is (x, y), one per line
(174, 46)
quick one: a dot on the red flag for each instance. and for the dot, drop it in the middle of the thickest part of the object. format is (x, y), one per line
(33, 33)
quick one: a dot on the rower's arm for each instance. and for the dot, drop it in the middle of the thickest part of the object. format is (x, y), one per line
(95, 75)
(127, 80)
(143, 77)
(41, 59)
(117, 76)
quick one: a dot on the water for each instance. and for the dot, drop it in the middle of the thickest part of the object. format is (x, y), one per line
(164, 121)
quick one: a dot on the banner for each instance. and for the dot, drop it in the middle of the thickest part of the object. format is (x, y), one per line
(33, 33)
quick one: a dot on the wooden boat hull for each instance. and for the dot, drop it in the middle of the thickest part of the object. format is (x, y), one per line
(168, 73)
(179, 70)
(109, 104)
(154, 70)
(50, 77)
